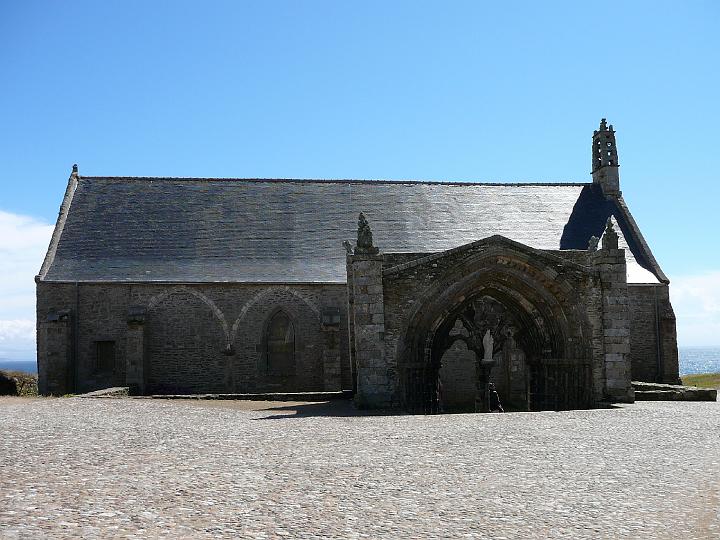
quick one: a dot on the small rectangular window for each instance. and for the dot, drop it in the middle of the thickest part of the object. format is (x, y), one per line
(104, 355)
(331, 317)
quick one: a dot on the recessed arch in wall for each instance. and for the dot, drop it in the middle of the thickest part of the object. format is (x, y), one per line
(279, 344)
(182, 289)
(261, 296)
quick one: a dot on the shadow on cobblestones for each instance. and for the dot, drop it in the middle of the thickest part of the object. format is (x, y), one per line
(338, 408)
(346, 408)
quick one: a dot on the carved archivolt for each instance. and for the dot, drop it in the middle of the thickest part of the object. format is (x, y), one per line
(541, 308)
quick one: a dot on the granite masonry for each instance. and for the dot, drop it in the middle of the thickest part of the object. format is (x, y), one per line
(187, 285)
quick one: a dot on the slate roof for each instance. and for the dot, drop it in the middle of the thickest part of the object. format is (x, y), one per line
(244, 230)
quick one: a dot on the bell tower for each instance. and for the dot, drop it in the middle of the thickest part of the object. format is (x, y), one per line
(605, 159)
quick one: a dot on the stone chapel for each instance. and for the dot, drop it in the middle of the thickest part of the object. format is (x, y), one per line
(413, 295)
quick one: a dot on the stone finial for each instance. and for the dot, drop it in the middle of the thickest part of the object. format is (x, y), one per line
(364, 237)
(609, 226)
(610, 237)
(593, 243)
(603, 124)
(348, 247)
(74, 169)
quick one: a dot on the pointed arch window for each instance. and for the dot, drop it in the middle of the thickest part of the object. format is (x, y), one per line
(280, 345)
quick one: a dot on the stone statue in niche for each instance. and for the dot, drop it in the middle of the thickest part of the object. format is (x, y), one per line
(364, 237)
(487, 346)
(483, 326)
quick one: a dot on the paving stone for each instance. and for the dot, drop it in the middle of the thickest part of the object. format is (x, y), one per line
(224, 469)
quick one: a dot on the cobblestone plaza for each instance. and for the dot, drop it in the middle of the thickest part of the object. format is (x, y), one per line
(141, 468)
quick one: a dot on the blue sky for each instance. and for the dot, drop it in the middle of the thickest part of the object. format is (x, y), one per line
(482, 91)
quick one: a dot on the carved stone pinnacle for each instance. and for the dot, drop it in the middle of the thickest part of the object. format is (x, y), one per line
(364, 237)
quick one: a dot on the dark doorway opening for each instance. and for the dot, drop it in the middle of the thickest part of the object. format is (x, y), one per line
(491, 338)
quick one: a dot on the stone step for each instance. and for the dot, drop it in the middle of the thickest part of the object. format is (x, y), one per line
(639, 385)
(115, 392)
(672, 392)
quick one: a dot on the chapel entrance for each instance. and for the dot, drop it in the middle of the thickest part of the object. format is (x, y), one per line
(492, 337)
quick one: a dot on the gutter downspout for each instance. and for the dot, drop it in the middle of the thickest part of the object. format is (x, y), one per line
(76, 339)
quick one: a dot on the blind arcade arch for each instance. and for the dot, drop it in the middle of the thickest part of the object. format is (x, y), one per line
(280, 345)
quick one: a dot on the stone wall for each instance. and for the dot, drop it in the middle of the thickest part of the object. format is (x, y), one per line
(668, 338)
(55, 312)
(55, 340)
(611, 266)
(376, 380)
(644, 330)
(185, 348)
(194, 338)
(651, 315)
(102, 316)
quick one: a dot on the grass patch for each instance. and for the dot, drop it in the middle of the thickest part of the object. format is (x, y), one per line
(26, 382)
(702, 380)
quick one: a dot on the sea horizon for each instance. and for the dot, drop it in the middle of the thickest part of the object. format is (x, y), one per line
(693, 359)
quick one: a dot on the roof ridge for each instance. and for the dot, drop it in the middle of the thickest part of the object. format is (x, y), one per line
(330, 181)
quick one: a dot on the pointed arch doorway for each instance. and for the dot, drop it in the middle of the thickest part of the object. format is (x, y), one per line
(504, 339)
